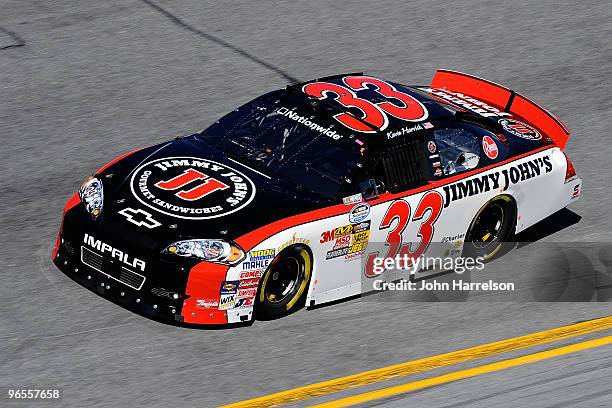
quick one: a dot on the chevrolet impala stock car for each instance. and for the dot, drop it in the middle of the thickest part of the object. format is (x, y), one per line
(276, 205)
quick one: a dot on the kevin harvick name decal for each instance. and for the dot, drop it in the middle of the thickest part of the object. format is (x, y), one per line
(501, 179)
(191, 188)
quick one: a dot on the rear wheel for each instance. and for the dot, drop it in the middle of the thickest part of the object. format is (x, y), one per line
(492, 226)
(283, 286)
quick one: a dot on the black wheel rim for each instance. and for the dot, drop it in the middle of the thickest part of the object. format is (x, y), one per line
(284, 279)
(488, 226)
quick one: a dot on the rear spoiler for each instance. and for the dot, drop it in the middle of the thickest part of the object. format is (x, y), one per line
(504, 99)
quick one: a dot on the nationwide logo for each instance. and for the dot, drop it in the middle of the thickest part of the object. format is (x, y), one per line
(327, 131)
(139, 217)
(191, 188)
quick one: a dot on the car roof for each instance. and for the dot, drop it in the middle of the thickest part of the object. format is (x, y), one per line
(436, 109)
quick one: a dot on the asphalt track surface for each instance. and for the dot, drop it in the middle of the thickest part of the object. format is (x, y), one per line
(82, 82)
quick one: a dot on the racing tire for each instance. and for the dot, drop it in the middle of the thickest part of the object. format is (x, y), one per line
(282, 290)
(491, 228)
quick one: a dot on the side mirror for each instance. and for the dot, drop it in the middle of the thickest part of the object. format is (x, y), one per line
(370, 189)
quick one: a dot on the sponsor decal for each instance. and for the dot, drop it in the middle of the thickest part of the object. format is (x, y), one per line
(467, 102)
(191, 188)
(330, 235)
(428, 125)
(248, 283)
(206, 303)
(499, 180)
(359, 213)
(490, 147)
(139, 217)
(431, 147)
(347, 245)
(354, 199)
(104, 248)
(438, 173)
(452, 238)
(259, 259)
(294, 240)
(520, 129)
(343, 242)
(404, 131)
(250, 274)
(576, 192)
(244, 303)
(226, 301)
(242, 293)
(327, 131)
(228, 287)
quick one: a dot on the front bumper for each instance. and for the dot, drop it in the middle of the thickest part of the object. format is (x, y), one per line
(173, 290)
(156, 303)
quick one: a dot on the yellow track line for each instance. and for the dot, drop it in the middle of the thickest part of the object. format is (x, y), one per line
(458, 375)
(429, 363)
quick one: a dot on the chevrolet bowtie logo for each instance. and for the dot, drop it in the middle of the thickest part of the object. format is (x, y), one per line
(139, 217)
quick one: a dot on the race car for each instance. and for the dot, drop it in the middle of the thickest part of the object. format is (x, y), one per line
(279, 203)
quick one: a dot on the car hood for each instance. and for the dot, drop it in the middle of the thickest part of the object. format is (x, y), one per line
(187, 189)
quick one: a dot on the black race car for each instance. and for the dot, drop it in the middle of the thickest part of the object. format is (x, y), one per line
(274, 205)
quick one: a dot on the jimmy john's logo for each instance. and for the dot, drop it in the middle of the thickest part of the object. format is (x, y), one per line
(191, 188)
(500, 180)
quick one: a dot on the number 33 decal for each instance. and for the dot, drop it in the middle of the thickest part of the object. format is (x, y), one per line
(400, 210)
(409, 109)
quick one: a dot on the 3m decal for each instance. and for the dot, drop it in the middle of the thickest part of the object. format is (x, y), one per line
(375, 114)
(498, 180)
(520, 129)
(490, 147)
(140, 218)
(428, 211)
(191, 188)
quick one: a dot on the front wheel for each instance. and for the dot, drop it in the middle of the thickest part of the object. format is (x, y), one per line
(283, 286)
(492, 226)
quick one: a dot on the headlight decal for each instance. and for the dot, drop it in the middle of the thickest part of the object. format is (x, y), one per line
(212, 250)
(91, 194)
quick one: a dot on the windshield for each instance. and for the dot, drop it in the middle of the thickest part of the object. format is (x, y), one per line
(283, 134)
